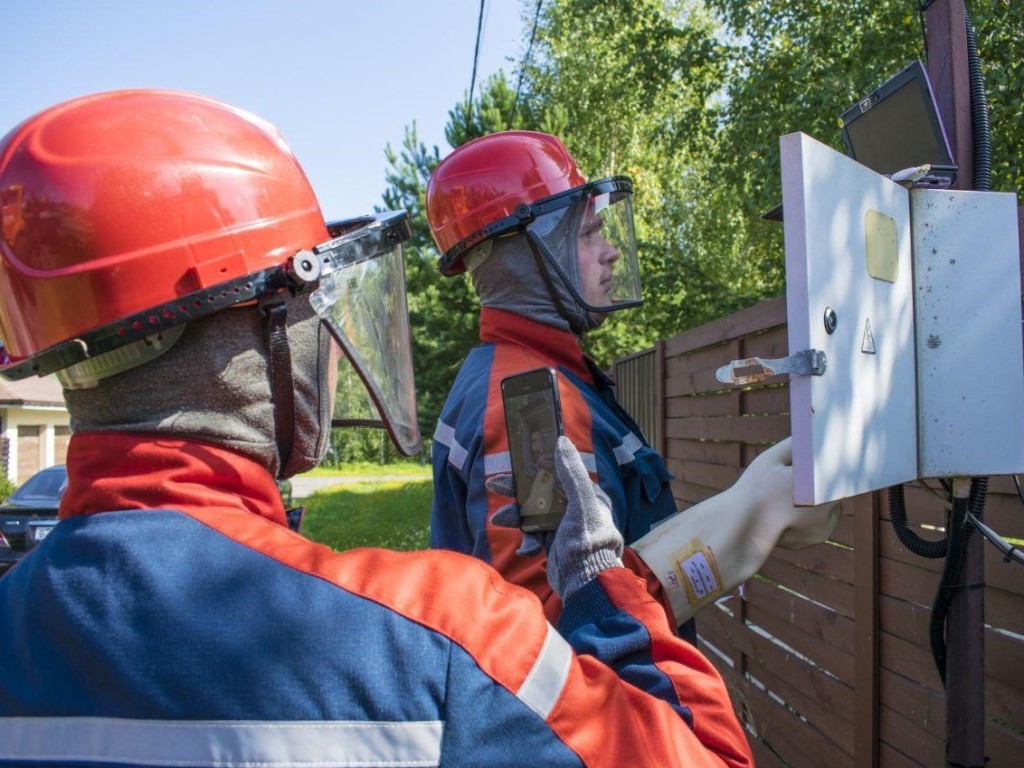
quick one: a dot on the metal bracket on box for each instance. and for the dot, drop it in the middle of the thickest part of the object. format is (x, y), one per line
(753, 370)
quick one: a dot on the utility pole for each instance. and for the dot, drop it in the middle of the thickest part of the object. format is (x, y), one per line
(946, 40)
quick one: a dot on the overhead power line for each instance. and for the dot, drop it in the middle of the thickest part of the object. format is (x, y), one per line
(476, 56)
(526, 59)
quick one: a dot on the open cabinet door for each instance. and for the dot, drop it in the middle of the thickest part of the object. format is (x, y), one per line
(849, 292)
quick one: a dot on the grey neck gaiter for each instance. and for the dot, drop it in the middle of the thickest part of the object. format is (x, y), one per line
(510, 279)
(213, 385)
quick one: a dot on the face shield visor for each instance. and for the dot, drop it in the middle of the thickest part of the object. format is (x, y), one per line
(361, 298)
(586, 238)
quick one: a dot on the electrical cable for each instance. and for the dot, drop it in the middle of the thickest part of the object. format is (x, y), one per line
(921, 6)
(526, 59)
(476, 59)
(1009, 551)
(909, 539)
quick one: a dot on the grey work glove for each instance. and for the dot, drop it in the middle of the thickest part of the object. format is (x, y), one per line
(508, 517)
(587, 541)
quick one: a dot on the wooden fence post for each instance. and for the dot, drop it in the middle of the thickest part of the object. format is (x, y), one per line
(866, 627)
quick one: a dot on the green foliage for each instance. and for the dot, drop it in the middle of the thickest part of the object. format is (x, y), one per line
(6, 487)
(689, 98)
(395, 515)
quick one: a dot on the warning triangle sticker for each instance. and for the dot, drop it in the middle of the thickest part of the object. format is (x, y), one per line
(867, 343)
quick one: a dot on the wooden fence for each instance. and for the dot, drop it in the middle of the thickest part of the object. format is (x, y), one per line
(826, 651)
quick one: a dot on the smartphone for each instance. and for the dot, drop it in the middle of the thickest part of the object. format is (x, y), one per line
(533, 421)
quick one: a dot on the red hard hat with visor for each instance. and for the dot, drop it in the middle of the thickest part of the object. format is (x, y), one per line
(527, 182)
(127, 214)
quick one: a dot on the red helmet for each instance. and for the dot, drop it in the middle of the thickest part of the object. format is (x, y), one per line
(475, 192)
(128, 212)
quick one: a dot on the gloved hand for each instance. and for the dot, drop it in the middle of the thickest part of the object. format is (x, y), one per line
(711, 548)
(768, 482)
(586, 542)
(508, 517)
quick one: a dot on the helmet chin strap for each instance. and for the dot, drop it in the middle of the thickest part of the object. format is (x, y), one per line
(578, 322)
(282, 385)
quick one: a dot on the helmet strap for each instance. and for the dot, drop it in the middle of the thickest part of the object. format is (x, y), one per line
(282, 386)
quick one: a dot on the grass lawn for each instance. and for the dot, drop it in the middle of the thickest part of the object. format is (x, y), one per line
(395, 515)
(370, 468)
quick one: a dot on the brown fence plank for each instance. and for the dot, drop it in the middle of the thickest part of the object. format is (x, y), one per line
(771, 343)
(911, 583)
(765, 400)
(824, 559)
(702, 360)
(1003, 658)
(756, 318)
(909, 660)
(696, 450)
(710, 475)
(717, 404)
(816, 620)
(828, 657)
(1004, 609)
(998, 574)
(1003, 702)
(843, 532)
(1002, 746)
(686, 495)
(692, 383)
(782, 670)
(763, 756)
(905, 736)
(890, 757)
(835, 594)
(794, 740)
(905, 620)
(921, 705)
(745, 429)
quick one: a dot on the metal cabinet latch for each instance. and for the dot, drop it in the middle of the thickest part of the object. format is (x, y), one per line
(753, 370)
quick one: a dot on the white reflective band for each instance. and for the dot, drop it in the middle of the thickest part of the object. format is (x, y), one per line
(630, 445)
(445, 435)
(543, 686)
(221, 743)
(497, 463)
(589, 462)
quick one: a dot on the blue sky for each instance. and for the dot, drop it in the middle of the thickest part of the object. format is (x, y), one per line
(340, 78)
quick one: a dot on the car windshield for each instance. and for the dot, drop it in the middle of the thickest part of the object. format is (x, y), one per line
(48, 484)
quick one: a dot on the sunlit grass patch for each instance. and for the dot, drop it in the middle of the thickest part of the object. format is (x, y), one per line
(395, 515)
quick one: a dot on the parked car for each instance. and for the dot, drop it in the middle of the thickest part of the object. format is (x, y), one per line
(8, 556)
(30, 512)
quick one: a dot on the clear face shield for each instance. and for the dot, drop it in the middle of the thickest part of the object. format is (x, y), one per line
(361, 299)
(586, 237)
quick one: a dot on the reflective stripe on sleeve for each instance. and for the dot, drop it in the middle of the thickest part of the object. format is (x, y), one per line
(497, 463)
(543, 686)
(625, 450)
(221, 744)
(445, 435)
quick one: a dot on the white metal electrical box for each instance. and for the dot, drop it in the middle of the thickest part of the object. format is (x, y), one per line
(914, 298)
(967, 303)
(849, 294)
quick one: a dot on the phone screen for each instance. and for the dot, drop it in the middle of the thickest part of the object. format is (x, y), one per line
(533, 420)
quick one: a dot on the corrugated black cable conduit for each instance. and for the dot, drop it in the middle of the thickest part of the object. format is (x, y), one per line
(909, 539)
(981, 138)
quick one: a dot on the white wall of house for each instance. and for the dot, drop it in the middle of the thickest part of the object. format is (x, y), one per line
(47, 418)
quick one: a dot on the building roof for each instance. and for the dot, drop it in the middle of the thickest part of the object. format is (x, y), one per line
(32, 391)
